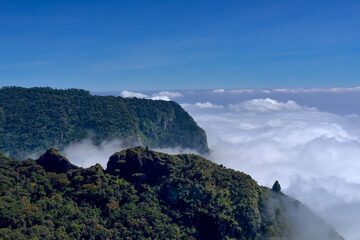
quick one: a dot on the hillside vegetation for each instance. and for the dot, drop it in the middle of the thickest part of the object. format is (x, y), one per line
(35, 119)
(146, 195)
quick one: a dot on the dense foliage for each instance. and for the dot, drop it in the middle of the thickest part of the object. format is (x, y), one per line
(35, 119)
(141, 195)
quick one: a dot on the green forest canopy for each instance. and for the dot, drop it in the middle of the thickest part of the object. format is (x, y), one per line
(34, 119)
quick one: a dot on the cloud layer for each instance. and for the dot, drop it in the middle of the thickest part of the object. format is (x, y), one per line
(202, 105)
(314, 155)
(266, 105)
(289, 90)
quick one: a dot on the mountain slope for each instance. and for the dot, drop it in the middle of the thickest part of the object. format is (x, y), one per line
(147, 195)
(35, 119)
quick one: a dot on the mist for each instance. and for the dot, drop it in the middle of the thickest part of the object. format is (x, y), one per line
(86, 154)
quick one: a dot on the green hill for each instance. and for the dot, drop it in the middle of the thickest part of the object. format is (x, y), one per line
(146, 195)
(35, 119)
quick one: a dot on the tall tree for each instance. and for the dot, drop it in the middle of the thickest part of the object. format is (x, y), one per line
(276, 187)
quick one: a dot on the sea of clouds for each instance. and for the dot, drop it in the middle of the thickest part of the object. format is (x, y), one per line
(315, 155)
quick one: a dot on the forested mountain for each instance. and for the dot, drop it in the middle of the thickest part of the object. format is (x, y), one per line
(35, 119)
(146, 195)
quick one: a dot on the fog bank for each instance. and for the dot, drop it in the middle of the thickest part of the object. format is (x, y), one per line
(86, 154)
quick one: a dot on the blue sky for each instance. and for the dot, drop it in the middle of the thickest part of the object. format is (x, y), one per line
(155, 45)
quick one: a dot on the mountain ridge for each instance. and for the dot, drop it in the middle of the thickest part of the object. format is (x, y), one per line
(148, 194)
(34, 119)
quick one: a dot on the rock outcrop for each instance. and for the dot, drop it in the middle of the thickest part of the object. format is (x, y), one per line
(137, 165)
(53, 161)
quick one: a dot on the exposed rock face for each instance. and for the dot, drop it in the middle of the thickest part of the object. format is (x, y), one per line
(132, 164)
(52, 161)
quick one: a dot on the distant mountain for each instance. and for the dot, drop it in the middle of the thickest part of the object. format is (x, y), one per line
(146, 195)
(35, 119)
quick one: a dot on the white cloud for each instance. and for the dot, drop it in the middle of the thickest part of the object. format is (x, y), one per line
(164, 98)
(165, 95)
(218, 91)
(241, 91)
(290, 90)
(176, 150)
(266, 105)
(207, 105)
(281, 90)
(353, 89)
(128, 94)
(312, 90)
(202, 105)
(266, 91)
(314, 155)
(168, 94)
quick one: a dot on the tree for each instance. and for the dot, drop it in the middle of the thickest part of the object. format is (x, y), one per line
(276, 187)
